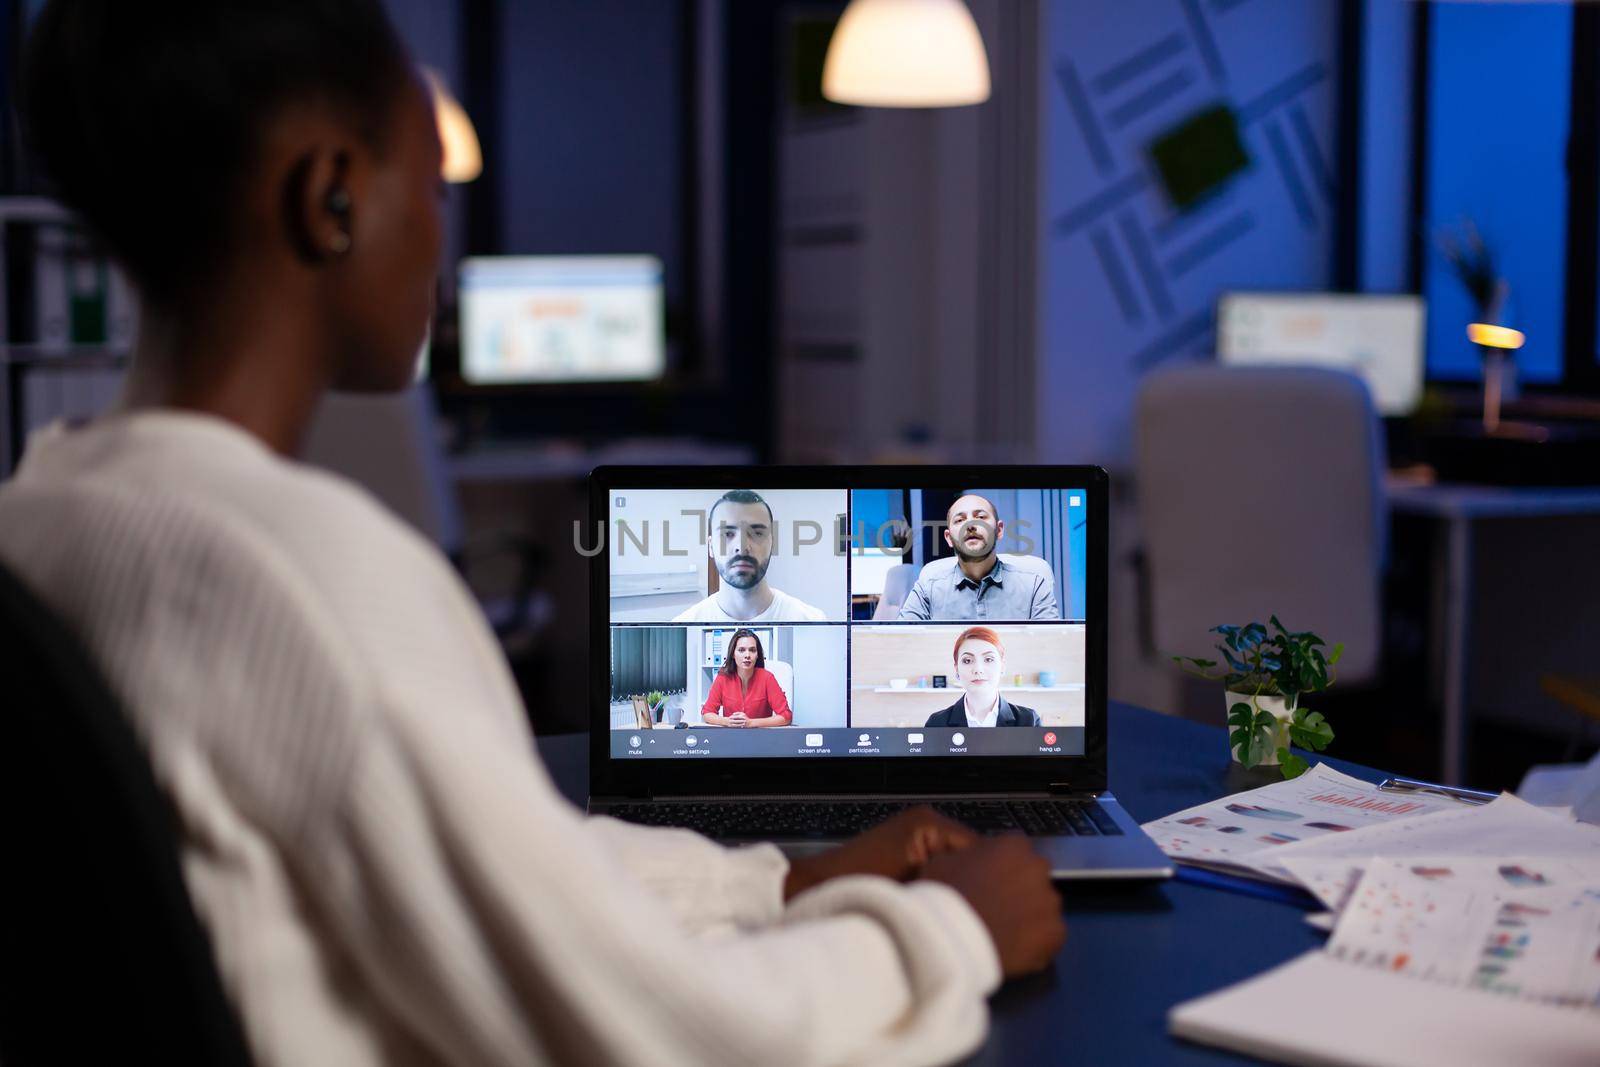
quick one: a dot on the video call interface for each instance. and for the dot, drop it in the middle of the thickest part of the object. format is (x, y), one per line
(833, 623)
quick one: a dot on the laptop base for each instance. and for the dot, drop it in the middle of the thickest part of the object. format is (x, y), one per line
(1106, 844)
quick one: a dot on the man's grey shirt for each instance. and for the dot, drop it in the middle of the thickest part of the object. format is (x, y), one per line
(943, 592)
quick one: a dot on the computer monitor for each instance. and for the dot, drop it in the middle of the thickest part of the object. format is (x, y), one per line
(1379, 337)
(531, 320)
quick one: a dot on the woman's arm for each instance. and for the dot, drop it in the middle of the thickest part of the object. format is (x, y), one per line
(708, 710)
(448, 834)
(779, 715)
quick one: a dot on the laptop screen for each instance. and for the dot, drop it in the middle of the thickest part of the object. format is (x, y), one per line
(901, 621)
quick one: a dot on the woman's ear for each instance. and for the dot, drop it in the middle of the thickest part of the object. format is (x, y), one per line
(320, 205)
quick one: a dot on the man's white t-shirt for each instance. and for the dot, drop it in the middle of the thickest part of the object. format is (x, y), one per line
(784, 608)
(387, 873)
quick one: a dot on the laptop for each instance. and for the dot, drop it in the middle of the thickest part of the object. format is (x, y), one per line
(793, 654)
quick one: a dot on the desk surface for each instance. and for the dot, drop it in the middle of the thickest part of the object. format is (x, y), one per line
(1130, 954)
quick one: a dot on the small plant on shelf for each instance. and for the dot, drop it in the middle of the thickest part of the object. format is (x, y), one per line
(1266, 670)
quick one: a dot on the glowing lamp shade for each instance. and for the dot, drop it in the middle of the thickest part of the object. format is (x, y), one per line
(906, 53)
(1482, 333)
(463, 159)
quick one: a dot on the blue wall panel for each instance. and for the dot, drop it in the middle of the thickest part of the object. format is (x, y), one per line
(1127, 282)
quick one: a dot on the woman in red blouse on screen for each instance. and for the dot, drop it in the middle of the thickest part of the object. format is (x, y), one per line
(744, 693)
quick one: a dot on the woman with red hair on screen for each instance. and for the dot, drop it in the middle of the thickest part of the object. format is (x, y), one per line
(980, 664)
(745, 693)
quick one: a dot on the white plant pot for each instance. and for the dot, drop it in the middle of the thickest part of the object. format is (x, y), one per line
(1281, 710)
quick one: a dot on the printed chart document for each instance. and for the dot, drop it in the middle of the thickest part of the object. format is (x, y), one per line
(1241, 833)
(1332, 880)
(1515, 933)
(1455, 961)
(1461, 935)
(1508, 827)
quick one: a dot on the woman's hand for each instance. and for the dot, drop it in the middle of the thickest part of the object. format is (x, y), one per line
(1008, 884)
(896, 848)
(738, 718)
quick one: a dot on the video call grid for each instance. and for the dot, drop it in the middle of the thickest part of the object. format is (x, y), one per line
(850, 624)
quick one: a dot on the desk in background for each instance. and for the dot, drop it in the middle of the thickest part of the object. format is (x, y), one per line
(1133, 953)
(1458, 509)
(556, 461)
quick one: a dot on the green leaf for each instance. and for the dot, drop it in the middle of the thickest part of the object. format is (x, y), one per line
(1251, 733)
(1240, 716)
(1310, 730)
(1293, 766)
(1333, 658)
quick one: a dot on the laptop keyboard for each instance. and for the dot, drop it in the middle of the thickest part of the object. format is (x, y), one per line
(791, 819)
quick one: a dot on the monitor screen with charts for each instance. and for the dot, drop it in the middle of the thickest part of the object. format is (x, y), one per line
(915, 619)
(530, 320)
(1379, 337)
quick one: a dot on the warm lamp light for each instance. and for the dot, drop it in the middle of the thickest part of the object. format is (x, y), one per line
(906, 53)
(463, 159)
(1482, 333)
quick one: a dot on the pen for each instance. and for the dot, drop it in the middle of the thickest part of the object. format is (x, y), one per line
(1411, 785)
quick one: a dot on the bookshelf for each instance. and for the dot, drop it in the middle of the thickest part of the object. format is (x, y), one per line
(67, 322)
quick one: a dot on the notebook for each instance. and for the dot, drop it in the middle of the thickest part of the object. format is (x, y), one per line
(1319, 1010)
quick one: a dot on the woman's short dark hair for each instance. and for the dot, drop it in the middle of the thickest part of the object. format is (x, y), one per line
(146, 117)
(729, 667)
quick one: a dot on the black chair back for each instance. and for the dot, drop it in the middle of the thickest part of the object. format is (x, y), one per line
(102, 958)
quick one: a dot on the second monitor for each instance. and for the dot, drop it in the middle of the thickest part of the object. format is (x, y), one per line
(1376, 336)
(530, 320)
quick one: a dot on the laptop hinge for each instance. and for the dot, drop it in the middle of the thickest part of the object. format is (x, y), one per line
(1066, 789)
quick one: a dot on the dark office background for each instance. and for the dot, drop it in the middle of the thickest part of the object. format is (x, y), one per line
(993, 283)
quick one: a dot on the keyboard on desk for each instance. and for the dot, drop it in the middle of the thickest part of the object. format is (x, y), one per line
(799, 819)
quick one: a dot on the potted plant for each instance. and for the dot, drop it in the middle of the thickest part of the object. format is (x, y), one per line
(655, 700)
(1267, 673)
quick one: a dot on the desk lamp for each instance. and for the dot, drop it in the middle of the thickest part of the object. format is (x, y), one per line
(1495, 342)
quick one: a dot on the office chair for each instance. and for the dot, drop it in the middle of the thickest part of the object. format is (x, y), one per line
(1260, 492)
(783, 673)
(897, 585)
(102, 958)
